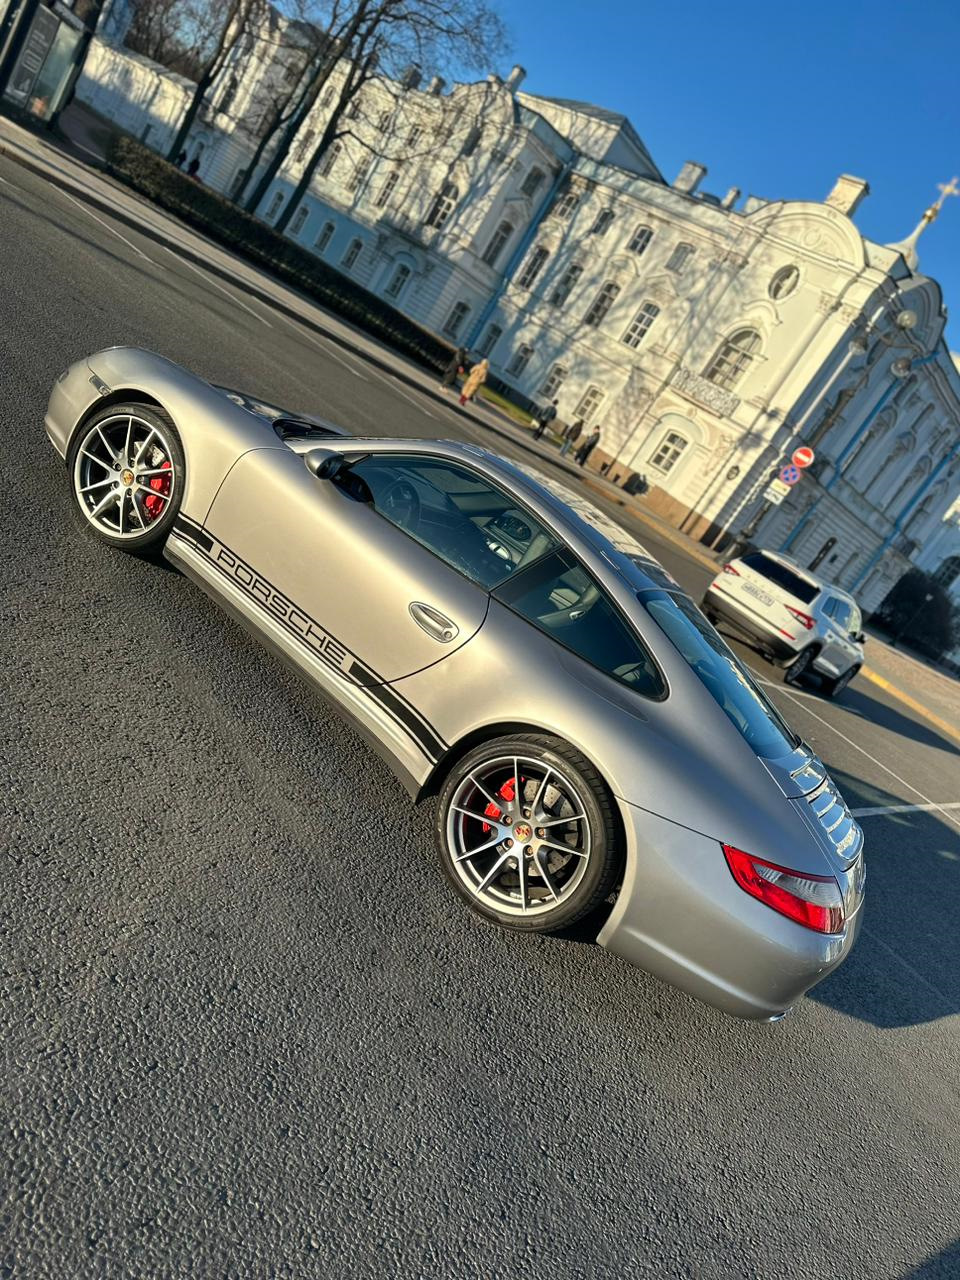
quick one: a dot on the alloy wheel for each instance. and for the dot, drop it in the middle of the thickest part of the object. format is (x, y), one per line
(124, 476)
(518, 836)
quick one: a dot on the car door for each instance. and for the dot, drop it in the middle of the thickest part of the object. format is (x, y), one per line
(836, 655)
(376, 572)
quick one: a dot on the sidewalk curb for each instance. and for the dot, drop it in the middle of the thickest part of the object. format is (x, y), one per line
(916, 707)
(591, 481)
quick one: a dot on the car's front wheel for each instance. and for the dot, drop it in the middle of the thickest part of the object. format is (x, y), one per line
(527, 834)
(126, 471)
(841, 682)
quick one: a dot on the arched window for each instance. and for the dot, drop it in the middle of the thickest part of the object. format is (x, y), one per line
(566, 285)
(520, 360)
(565, 206)
(640, 324)
(784, 283)
(330, 159)
(640, 240)
(274, 207)
(497, 242)
(679, 258)
(532, 182)
(533, 266)
(454, 322)
(299, 218)
(602, 303)
(730, 363)
(603, 223)
(360, 171)
(325, 236)
(442, 206)
(667, 453)
(386, 191)
(354, 250)
(399, 278)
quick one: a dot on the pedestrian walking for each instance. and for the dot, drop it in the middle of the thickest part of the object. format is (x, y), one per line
(543, 419)
(570, 436)
(588, 446)
(180, 158)
(193, 166)
(456, 365)
(477, 377)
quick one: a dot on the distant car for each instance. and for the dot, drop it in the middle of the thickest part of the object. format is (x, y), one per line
(589, 737)
(791, 615)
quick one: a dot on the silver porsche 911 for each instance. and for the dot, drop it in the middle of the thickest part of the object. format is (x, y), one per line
(595, 747)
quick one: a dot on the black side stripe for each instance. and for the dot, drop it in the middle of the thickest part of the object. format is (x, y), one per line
(311, 636)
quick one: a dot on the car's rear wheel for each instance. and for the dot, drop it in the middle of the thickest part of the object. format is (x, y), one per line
(126, 471)
(527, 834)
(801, 666)
(841, 682)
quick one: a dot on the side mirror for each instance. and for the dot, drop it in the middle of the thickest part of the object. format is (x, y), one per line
(862, 638)
(324, 463)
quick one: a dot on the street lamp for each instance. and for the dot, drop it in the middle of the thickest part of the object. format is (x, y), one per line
(860, 342)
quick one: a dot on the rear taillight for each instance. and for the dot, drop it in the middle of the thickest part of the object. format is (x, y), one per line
(813, 901)
(728, 568)
(800, 616)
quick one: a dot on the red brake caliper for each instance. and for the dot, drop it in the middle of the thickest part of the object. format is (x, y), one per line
(507, 793)
(161, 487)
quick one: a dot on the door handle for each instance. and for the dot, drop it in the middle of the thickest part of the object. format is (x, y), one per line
(433, 622)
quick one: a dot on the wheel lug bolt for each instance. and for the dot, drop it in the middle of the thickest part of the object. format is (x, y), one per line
(541, 832)
(509, 844)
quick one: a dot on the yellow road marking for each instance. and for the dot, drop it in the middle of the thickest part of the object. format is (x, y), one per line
(912, 703)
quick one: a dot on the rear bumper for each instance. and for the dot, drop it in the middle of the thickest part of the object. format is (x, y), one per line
(752, 625)
(682, 917)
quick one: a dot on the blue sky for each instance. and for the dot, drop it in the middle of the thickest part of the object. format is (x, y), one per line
(776, 98)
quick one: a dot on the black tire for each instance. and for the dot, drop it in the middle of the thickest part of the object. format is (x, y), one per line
(148, 502)
(835, 687)
(801, 666)
(561, 887)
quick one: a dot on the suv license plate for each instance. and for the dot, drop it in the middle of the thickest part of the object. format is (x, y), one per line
(757, 594)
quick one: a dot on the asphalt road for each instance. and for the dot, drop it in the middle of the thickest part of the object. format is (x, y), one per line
(248, 1032)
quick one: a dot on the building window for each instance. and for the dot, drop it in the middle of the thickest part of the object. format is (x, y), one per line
(784, 283)
(553, 382)
(640, 324)
(640, 240)
(602, 303)
(565, 287)
(455, 319)
(589, 403)
(326, 99)
(325, 236)
(383, 120)
(490, 339)
(679, 258)
(948, 572)
(565, 206)
(442, 206)
(497, 243)
(353, 110)
(532, 182)
(533, 267)
(520, 360)
(304, 144)
(413, 137)
(299, 218)
(671, 447)
(360, 171)
(386, 191)
(397, 282)
(354, 250)
(603, 223)
(274, 207)
(729, 364)
(471, 142)
(330, 159)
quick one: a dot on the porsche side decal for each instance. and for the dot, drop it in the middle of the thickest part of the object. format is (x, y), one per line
(310, 634)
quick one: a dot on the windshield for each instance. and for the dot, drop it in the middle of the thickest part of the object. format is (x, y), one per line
(782, 575)
(721, 673)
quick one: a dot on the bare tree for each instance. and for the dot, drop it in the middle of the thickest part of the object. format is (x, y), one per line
(240, 19)
(381, 38)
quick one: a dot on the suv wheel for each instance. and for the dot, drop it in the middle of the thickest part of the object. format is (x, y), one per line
(841, 682)
(800, 666)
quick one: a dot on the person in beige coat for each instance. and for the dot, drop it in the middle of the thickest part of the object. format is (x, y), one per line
(475, 380)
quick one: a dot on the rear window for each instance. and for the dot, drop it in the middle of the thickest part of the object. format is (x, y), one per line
(782, 575)
(721, 673)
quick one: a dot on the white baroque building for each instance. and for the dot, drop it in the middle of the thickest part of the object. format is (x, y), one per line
(707, 337)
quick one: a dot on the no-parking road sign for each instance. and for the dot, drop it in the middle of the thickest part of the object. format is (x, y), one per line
(790, 474)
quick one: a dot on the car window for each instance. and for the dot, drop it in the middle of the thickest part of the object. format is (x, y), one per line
(782, 575)
(455, 512)
(560, 598)
(841, 614)
(855, 625)
(721, 673)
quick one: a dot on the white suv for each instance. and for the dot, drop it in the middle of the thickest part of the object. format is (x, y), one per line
(791, 616)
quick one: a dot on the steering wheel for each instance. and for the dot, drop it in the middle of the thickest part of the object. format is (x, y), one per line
(401, 505)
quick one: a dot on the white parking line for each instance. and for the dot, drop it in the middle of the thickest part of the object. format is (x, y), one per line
(113, 231)
(886, 768)
(879, 810)
(227, 293)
